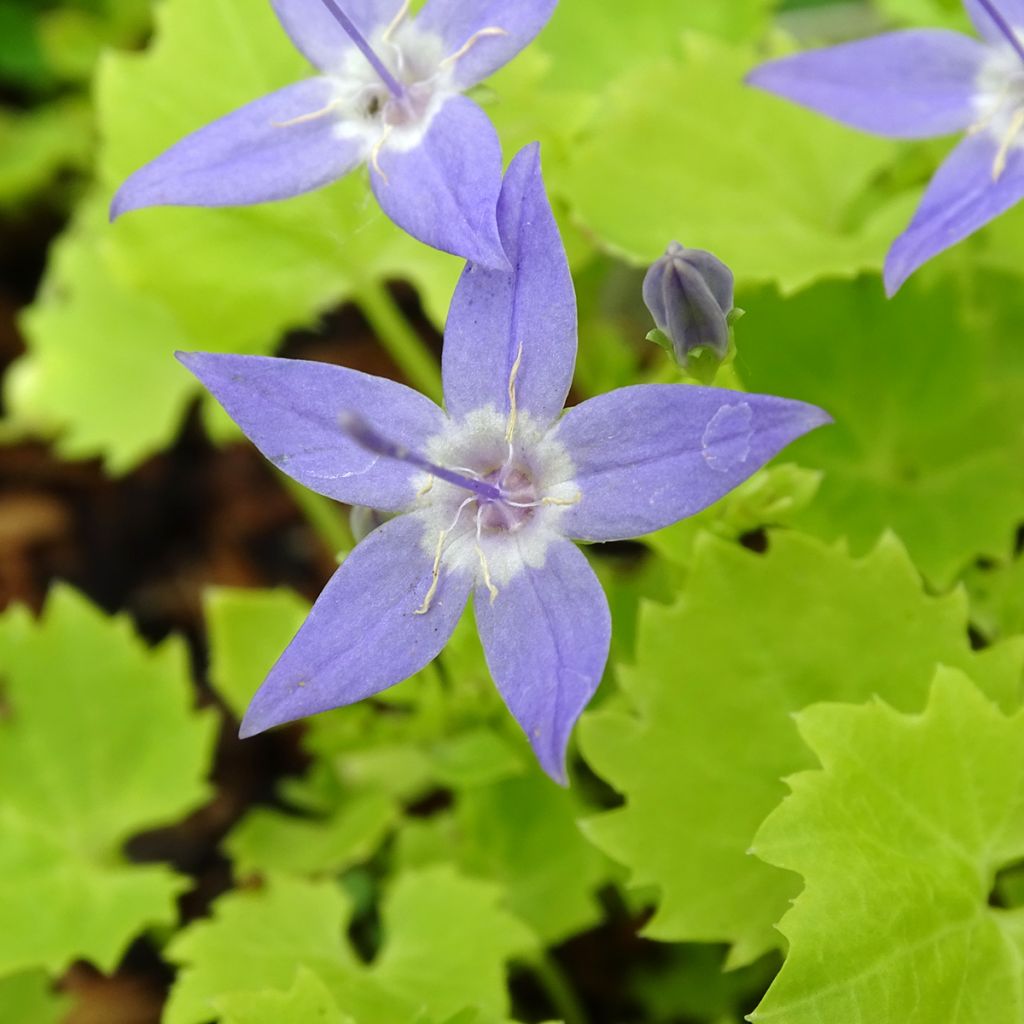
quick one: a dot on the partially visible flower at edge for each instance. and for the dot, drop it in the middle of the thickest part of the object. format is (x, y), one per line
(490, 494)
(920, 83)
(389, 94)
(690, 295)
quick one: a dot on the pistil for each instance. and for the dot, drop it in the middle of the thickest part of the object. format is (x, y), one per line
(394, 86)
(1003, 25)
(366, 437)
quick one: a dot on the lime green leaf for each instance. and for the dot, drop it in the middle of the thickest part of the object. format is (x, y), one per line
(772, 193)
(309, 1001)
(445, 945)
(593, 43)
(997, 598)
(101, 742)
(523, 834)
(772, 497)
(270, 842)
(928, 439)
(908, 822)
(29, 998)
(248, 630)
(258, 940)
(88, 334)
(37, 145)
(707, 732)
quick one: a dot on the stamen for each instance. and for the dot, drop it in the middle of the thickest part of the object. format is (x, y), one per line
(560, 502)
(375, 153)
(394, 86)
(512, 411)
(306, 118)
(364, 435)
(484, 33)
(488, 582)
(397, 20)
(1005, 28)
(435, 573)
(1003, 156)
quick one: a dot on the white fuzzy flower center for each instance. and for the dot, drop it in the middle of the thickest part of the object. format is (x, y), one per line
(999, 102)
(366, 108)
(495, 539)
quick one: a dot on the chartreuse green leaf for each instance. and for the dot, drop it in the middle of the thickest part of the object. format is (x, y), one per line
(308, 1001)
(592, 43)
(248, 629)
(37, 144)
(704, 733)
(899, 838)
(270, 842)
(997, 598)
(100, 741)
(772, 194)
(928, 438)
(88, 334)
(445, 945)
(29, 998)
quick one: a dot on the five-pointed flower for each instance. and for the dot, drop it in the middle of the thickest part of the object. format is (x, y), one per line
(919, 83)
(490, 495)
(389, 94)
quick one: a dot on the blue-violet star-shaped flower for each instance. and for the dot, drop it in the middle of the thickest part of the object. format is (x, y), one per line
(491, 494)
(923, 82)
(389, 94)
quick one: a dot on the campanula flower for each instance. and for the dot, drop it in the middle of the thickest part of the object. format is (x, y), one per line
(689, 293)
(389, 95)
(490, 494)
(919, 83)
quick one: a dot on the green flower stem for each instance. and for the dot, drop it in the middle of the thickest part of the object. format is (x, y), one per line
(403, 344)
(558, 989)
(326, 517)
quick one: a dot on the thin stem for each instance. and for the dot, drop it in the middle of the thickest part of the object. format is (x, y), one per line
(323, 515)
(394, 86)
(404, 345)
(1004, 26)
(558, 989)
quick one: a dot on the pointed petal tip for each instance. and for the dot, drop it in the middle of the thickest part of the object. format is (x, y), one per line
(250, 727)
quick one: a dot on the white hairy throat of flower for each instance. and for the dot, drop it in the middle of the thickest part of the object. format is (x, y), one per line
(999, 103)
(495, 539)
(363, 106)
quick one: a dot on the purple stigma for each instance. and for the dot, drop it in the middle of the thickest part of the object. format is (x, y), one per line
(366, 437)
(394, 86)
(1004, 26)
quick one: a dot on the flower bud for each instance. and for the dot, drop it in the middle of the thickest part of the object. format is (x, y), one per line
(690, 295)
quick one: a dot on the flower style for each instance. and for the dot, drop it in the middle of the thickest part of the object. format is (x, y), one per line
(489, 494)
(919, 83)
(389, 95)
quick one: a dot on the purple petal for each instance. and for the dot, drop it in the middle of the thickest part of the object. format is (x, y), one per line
(318, 35)
(363, 634)
(493, 312)
(290, 410)
(906, 85)
(444, 191)
(649, 455)
(458, 22)
(250, 156)
(546, 638)
(1011, 10)
(963, 196)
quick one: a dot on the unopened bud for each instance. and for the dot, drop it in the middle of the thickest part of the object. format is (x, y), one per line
(690, 295)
